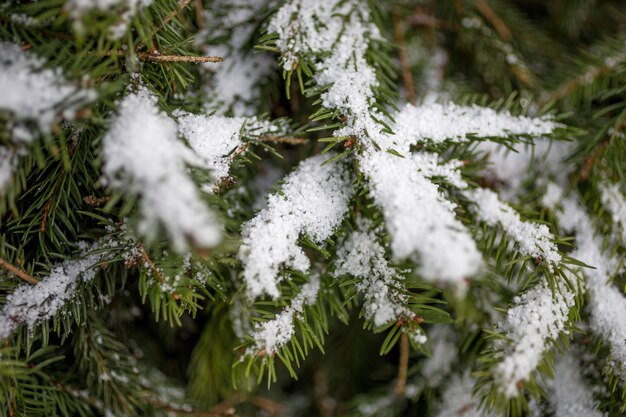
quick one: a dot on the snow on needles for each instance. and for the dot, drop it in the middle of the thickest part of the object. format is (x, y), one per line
(31, 304)
(607, 303)
(34, 93)
(313, 201)
(537, 316)
(271, 335)
(615, 203)
(458, 399)
(533, 239)
(362, 256)
(143, 156)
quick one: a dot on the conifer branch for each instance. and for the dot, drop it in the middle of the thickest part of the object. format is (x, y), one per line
(403, 365)
(498, 24)
(18, 272)
(182, 5)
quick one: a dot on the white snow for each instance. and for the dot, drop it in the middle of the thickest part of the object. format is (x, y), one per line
(458, 399)
(271, 335)
(126, 9)
(34, 93)
(362, 256)
(421, 220)
(437, 122)
(143, 156)
(312, 201)
(614, 201)
(536, 316)
(570, 394)
(533, 239)
(31, 304)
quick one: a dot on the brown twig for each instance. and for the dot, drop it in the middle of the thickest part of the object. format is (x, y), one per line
(407, 77)
(185, 412)
(403, 365)
(156, 57)
(18, 272)
(497, 23)
(199, 14)
(290, 140)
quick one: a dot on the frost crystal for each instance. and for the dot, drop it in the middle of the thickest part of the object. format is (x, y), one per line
(533, 239)
(274, 334)
(536, 317)
(31, 304)
(143, 156)
(312, 202)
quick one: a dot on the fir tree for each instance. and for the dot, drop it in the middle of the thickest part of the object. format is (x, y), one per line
(305, 207)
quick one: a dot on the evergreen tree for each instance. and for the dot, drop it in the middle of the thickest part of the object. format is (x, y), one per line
(312, 208)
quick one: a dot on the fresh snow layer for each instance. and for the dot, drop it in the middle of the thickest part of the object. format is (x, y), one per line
(31, 304)
(607, 303)
(614, 201)
(362, 256)
(312, 202)
(533, 239)
(271, 335)
(143, 156)
(78, 8)
(421, 220)
(34, 93)
(570, 394)
(536, 317)
(458, 399)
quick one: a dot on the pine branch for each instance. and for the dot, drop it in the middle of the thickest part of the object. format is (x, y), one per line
(154, 56)
(18, 272)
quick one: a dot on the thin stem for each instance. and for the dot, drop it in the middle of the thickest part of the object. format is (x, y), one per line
(498, 24)
(18, 272)
(403, 365)
(146, 56)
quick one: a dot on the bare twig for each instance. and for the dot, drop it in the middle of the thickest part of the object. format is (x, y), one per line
(155, 57)
(403, 365)
(199, 14)
(18, 272)
(497, 23)
(407, 77)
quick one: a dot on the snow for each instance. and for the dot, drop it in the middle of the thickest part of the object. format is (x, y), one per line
(458, 399)
(362, 256)
(31, 304)
(533, 239)
(614, 201)
(34, 93)
(536, 317)
(271, 335)
(312, 201)
(236, 83)
(607, 304)
(212, 138)
(437, 123)
(431, 235)
(143, 156)
(570, 394)
(126, 8)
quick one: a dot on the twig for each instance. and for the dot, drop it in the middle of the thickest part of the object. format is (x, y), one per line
(184, 412)
(403, 365)
(199, 14)
(290, 140)
(146, 56)
(18, 272)
(494, 19)
(173, 14)
(407, 77)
